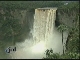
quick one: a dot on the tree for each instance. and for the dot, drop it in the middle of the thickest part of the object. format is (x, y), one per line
(51, 55)
(62, 28)
(69, 55)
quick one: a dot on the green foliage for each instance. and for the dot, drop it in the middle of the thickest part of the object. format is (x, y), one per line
(71, 5)
(51, 55)
(73, 41)
(72, 51)
(9, 27)
(37, 4)
(68, 55)
(62, 28)
(28, 4)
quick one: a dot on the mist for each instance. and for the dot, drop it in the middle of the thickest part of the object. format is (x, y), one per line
(29, 50)
(44, 35)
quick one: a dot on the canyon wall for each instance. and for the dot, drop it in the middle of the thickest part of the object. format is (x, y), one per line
(67, 16)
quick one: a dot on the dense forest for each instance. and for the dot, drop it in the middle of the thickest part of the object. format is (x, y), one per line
(12, 30)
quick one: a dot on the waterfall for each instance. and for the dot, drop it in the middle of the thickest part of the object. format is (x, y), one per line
(45, 36)
(44, 22)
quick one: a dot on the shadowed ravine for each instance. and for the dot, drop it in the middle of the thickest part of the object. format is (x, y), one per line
(45, 36)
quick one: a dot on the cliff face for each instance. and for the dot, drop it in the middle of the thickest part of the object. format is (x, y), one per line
(70, 18)
(67, 16)
(25, 18)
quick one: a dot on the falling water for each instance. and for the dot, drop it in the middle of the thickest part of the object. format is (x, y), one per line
(45, 36)
(44, 23)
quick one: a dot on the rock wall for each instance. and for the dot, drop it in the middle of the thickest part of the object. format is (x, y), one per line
(25, 16)
(67, 16)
